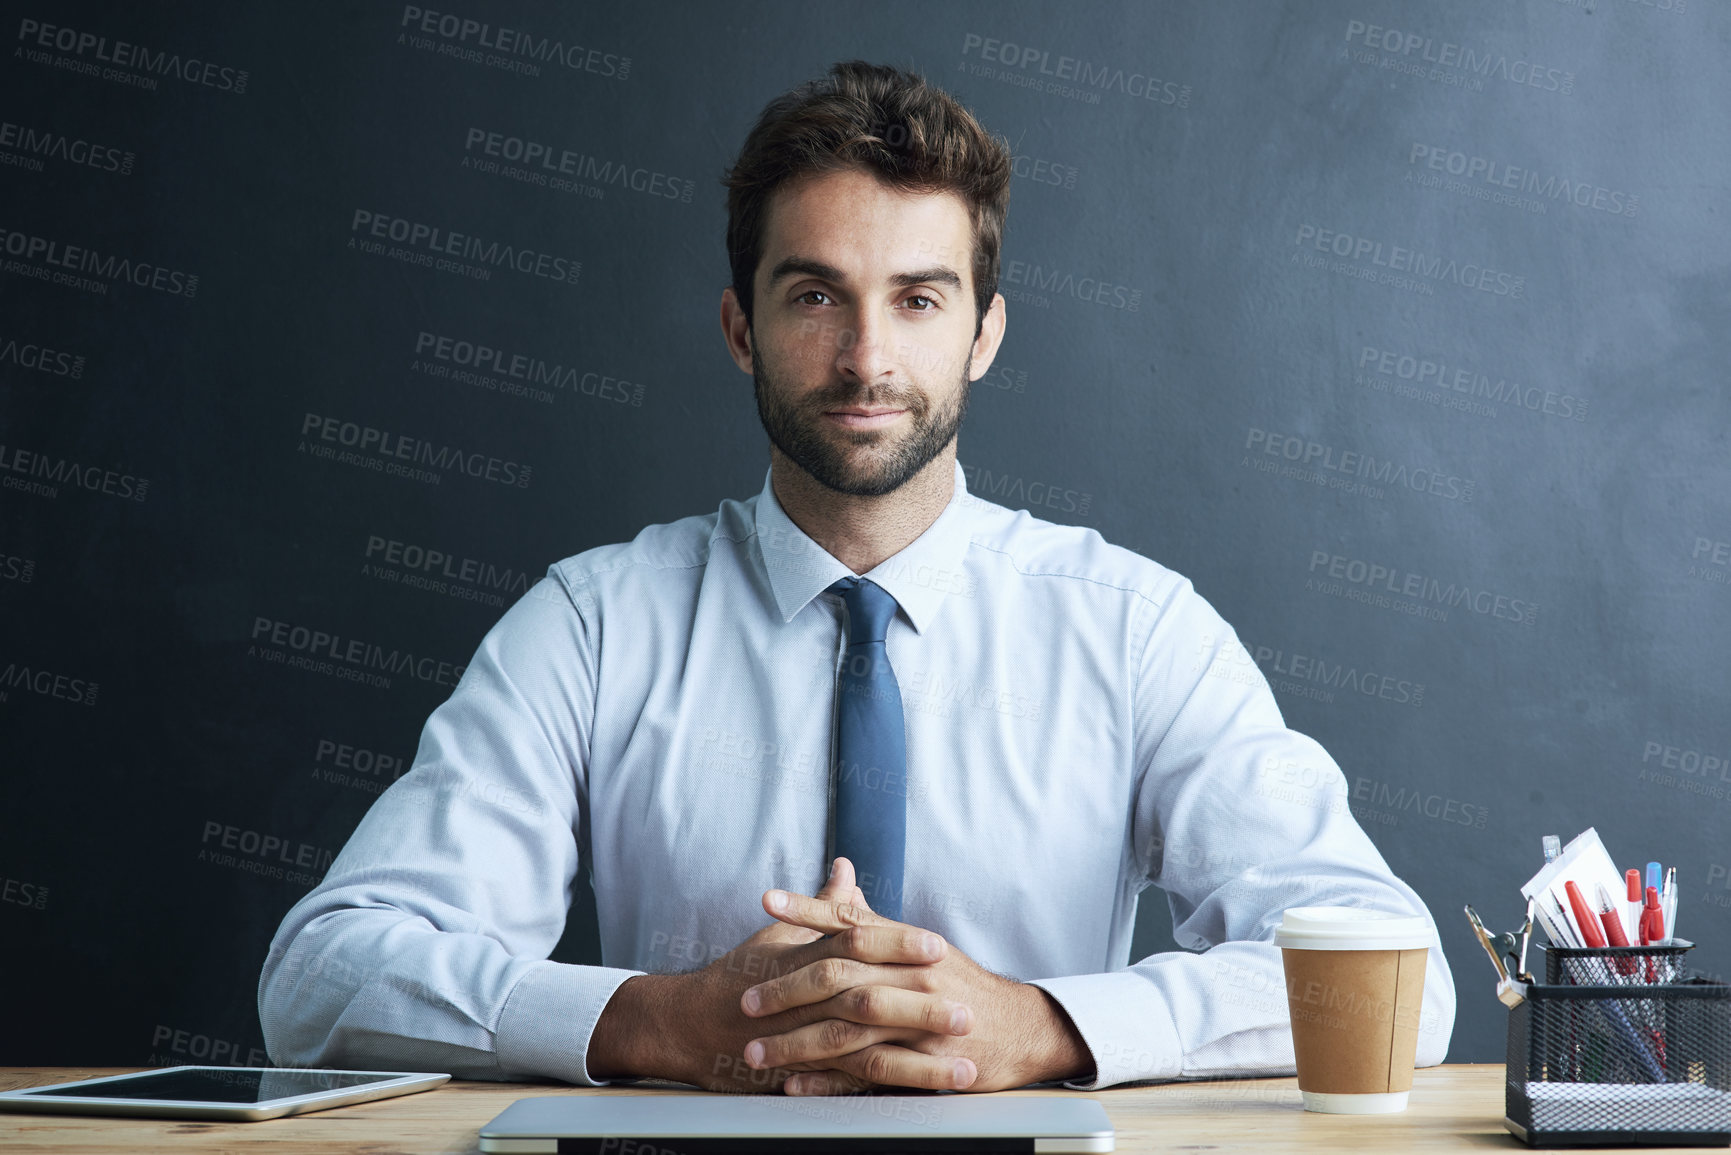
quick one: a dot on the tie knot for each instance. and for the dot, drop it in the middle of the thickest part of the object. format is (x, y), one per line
(869, 609)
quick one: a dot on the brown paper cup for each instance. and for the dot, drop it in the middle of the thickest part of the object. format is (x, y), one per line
(1355, 1020)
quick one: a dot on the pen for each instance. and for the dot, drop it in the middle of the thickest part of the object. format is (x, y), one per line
(1584, 920)
(1633, 878)
(1526, 936)
(1560, 916)
(1613, 1010)
(1548, 920)
(1652, 930)
(1553, 847)
(1668, 904)
(1651, 912)
(1613, 923)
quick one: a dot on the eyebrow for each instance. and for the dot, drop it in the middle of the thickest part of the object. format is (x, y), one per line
(804, 266)
(936, 275)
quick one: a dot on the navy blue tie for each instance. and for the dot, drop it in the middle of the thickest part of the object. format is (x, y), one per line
(871, 813)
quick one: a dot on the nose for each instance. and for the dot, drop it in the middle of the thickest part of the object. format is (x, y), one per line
(864, 352)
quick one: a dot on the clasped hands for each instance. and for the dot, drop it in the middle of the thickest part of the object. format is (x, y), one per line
(833, 998)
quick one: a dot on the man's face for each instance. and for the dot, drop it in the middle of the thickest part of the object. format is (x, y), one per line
(862, 339)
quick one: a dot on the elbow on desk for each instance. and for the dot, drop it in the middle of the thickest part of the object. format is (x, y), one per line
(301, 1031)
(305, 989)
(315, 1014)
(289, 1019)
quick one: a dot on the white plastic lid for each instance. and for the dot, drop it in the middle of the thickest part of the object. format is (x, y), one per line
(1352, 928)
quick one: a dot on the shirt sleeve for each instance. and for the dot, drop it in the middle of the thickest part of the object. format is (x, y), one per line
(1236, 818)
(425, 946)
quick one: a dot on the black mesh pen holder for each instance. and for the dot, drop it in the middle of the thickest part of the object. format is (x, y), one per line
(1616, 965)
(1627, 1064)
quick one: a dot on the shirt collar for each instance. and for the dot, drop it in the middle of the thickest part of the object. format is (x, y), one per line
(918, 577)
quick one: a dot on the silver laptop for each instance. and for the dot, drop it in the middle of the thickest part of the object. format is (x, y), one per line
(698, 1124)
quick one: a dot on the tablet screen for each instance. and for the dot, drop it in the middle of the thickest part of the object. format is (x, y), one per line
(205, 1084)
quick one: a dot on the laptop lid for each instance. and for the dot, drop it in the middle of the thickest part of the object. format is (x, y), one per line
(700, 1124)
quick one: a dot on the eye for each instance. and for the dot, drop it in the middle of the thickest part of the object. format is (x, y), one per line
(915, 303)
(806, 298)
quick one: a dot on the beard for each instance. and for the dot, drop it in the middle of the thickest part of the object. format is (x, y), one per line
(860, 463)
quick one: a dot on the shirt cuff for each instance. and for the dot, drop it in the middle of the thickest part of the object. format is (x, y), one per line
(1124, 1020)
(549, 1017)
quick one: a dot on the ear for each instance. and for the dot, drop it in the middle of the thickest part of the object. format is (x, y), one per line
(991, 336)
(736, 329)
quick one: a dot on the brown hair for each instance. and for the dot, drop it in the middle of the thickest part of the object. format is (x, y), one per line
(906, 132)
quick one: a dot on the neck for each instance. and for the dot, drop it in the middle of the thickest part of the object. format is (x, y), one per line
(862, 532)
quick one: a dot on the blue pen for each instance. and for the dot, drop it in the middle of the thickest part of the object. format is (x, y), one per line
(1632, 1041)
(1653, 875)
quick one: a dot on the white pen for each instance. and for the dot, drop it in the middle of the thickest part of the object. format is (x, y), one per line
(1668, 904)
(1554, 935)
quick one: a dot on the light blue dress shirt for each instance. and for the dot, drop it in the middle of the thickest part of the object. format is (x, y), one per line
(655, 718)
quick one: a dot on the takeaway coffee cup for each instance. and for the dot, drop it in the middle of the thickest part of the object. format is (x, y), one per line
(1354, 985)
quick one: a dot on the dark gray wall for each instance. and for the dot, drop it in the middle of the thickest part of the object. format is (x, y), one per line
(1399, 328)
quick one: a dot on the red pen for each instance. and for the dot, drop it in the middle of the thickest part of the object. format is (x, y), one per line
(1614, 930)
(1589, 926)
(1652, 930)
(1633, 879)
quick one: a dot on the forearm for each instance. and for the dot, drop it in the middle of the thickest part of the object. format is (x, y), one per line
(375, 987)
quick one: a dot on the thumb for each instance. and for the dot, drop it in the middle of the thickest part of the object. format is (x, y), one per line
(842, 886)
(839, 887)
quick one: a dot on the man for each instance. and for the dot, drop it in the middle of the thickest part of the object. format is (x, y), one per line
(979, 736)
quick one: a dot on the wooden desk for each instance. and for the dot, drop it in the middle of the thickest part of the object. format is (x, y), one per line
(1454, 1108)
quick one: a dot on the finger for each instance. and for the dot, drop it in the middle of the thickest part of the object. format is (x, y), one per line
(814, 982)
(826, 1083)
(785, 933)
(839, 887)
(858, 1018)
(880, 942)
(891, 1006)
(844, 869)
(861, 994)
(891, 955)
(821, 915)
(841, 883)
(853, 896)
(891, 1066)
(816, 1046)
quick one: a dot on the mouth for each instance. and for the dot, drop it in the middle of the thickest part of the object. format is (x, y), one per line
(863, 417)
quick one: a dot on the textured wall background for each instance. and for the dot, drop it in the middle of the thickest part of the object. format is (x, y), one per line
(1399, 328)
